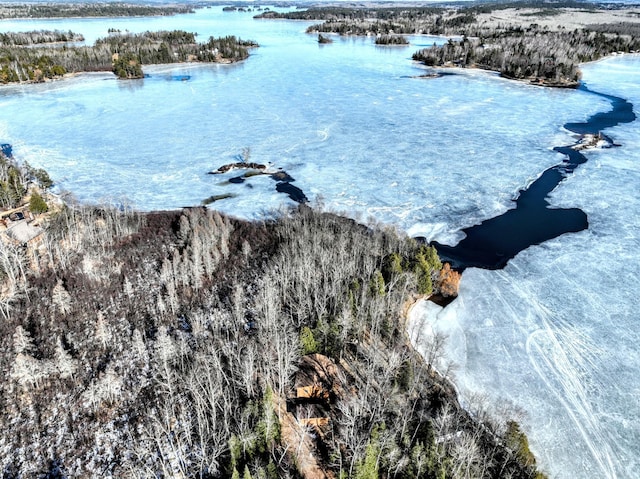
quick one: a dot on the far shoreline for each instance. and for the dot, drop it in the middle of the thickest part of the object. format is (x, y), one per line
(440, 68)
(109, 73)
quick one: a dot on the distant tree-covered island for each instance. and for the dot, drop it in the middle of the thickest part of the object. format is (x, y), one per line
(39, 37)
(539, 43)
(81, 9)
(391, 40)
(122, 53)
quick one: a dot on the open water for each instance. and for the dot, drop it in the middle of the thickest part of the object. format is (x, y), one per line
(554, 332)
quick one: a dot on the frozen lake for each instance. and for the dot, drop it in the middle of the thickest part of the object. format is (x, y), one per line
(553, 333)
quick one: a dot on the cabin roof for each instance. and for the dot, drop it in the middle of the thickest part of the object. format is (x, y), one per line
(23, 232)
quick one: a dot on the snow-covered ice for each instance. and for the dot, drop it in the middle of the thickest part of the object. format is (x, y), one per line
(555, 332)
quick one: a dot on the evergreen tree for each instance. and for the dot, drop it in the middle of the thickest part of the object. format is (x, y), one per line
(37, 204)
(127, 66)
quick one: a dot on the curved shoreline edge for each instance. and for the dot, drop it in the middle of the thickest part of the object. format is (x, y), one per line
(492, 243)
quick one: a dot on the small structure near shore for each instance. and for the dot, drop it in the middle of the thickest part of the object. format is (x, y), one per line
(317, 386)
(22, 232)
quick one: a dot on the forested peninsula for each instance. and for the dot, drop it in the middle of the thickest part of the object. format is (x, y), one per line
(192, 344)
(33, 57)
(542, 43)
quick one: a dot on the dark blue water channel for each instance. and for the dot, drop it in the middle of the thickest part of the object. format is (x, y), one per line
(6, 149)
(492, 243)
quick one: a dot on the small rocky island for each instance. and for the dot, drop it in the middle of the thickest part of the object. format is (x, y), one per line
(282, 178)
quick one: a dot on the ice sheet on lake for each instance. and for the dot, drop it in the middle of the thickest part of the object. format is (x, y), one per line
(347, 122)
(555, 333)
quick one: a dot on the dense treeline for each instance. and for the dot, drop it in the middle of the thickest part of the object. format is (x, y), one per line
(176, 46)
(391, 40)
(40, 63)
(350, 14)
(522, 57)
(624, 29)
(69, 10)
(15, 181)
(551, 57)
(39, 36)
(547, 56)
(170, 344)
(547, 6)
(444, 22)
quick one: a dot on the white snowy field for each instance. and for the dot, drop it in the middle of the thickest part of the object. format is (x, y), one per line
(555, 333)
